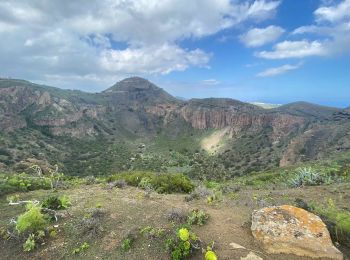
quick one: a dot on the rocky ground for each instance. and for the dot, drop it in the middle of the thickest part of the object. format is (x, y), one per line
(128, 210)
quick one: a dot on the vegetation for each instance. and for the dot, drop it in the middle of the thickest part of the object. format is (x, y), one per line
(29, 245)
(32, 220)
(82, 248)
(56, 203)
(22, 182)
(197, 217)
(126, 244)
(337, 220)
(183, 244)
(160, 182)
(309, 177)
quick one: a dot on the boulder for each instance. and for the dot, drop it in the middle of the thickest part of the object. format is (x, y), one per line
(291, 230)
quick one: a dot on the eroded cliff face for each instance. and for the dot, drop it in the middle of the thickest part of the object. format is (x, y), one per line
(22, 107)
(317, 142)
(13, 101)
(237, 119)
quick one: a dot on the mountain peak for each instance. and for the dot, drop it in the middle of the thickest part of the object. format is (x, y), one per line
(132, 84)
(140, 89)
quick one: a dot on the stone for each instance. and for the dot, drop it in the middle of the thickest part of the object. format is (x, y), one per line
(251, 256)
(236, 246)
(291, 230)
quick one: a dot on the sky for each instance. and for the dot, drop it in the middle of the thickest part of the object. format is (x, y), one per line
(272, 51)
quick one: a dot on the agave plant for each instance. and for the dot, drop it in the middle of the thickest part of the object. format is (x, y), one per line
(308, 177)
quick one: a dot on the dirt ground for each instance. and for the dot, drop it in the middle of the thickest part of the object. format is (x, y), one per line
(128, 210)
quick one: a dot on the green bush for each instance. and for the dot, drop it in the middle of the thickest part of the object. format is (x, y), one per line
(210, 255)
(338, 221)
(310, 177)
(56, 203)
(32, 220)
(83, 247)
(29, 245)
(183, 244)
(160, 182)
(197, 217)
(22, 182)
(126, 244)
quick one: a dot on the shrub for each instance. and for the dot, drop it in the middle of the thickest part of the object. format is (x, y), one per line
(126, 244)
(22, 182)
(29, 245)
(151, 232)
(120, 184)
(184, 235)
(337, 221)
(83, 247)
(145, 183)
(91, 224)
(162, 182)
(309, 177)
(176, 215)
(32, 220)
(198, 193)
(56, 203)
(210, 255)
(89, 180)
(183, 244)
(197, 217)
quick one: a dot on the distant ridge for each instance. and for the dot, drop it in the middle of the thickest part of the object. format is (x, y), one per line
(307, 109)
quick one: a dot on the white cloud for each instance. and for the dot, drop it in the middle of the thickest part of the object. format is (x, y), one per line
(278, 70)
(152, 59)
(332, 27)
(260, 36)
(332, 24)
(334, 13)
(294, 49)
(77, 39)
(260, 9)
(210, 82)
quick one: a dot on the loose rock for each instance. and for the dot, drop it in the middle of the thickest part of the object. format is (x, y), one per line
(291, 230)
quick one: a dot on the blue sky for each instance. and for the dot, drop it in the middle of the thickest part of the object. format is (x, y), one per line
(274, 51)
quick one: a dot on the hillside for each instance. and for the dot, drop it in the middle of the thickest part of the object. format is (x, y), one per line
(309, 110)
(124, 216)
(135, 173)
(135, 124)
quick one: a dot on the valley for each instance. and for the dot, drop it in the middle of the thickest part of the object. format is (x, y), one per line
(118, 174)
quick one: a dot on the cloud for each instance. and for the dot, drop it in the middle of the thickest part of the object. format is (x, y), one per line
(333, 25)
(210, 82)
(112, 38)
(334, 13)
(278, 70)
(153, 59)
(257, 37)
(258, 10)
(294, 49)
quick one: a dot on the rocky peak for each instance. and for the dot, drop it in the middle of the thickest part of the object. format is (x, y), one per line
(140, 90)
(132, 84)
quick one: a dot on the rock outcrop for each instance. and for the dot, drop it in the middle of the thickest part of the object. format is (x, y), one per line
(291, 230)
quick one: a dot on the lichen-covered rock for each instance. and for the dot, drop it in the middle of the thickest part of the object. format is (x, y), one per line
(291, 230)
